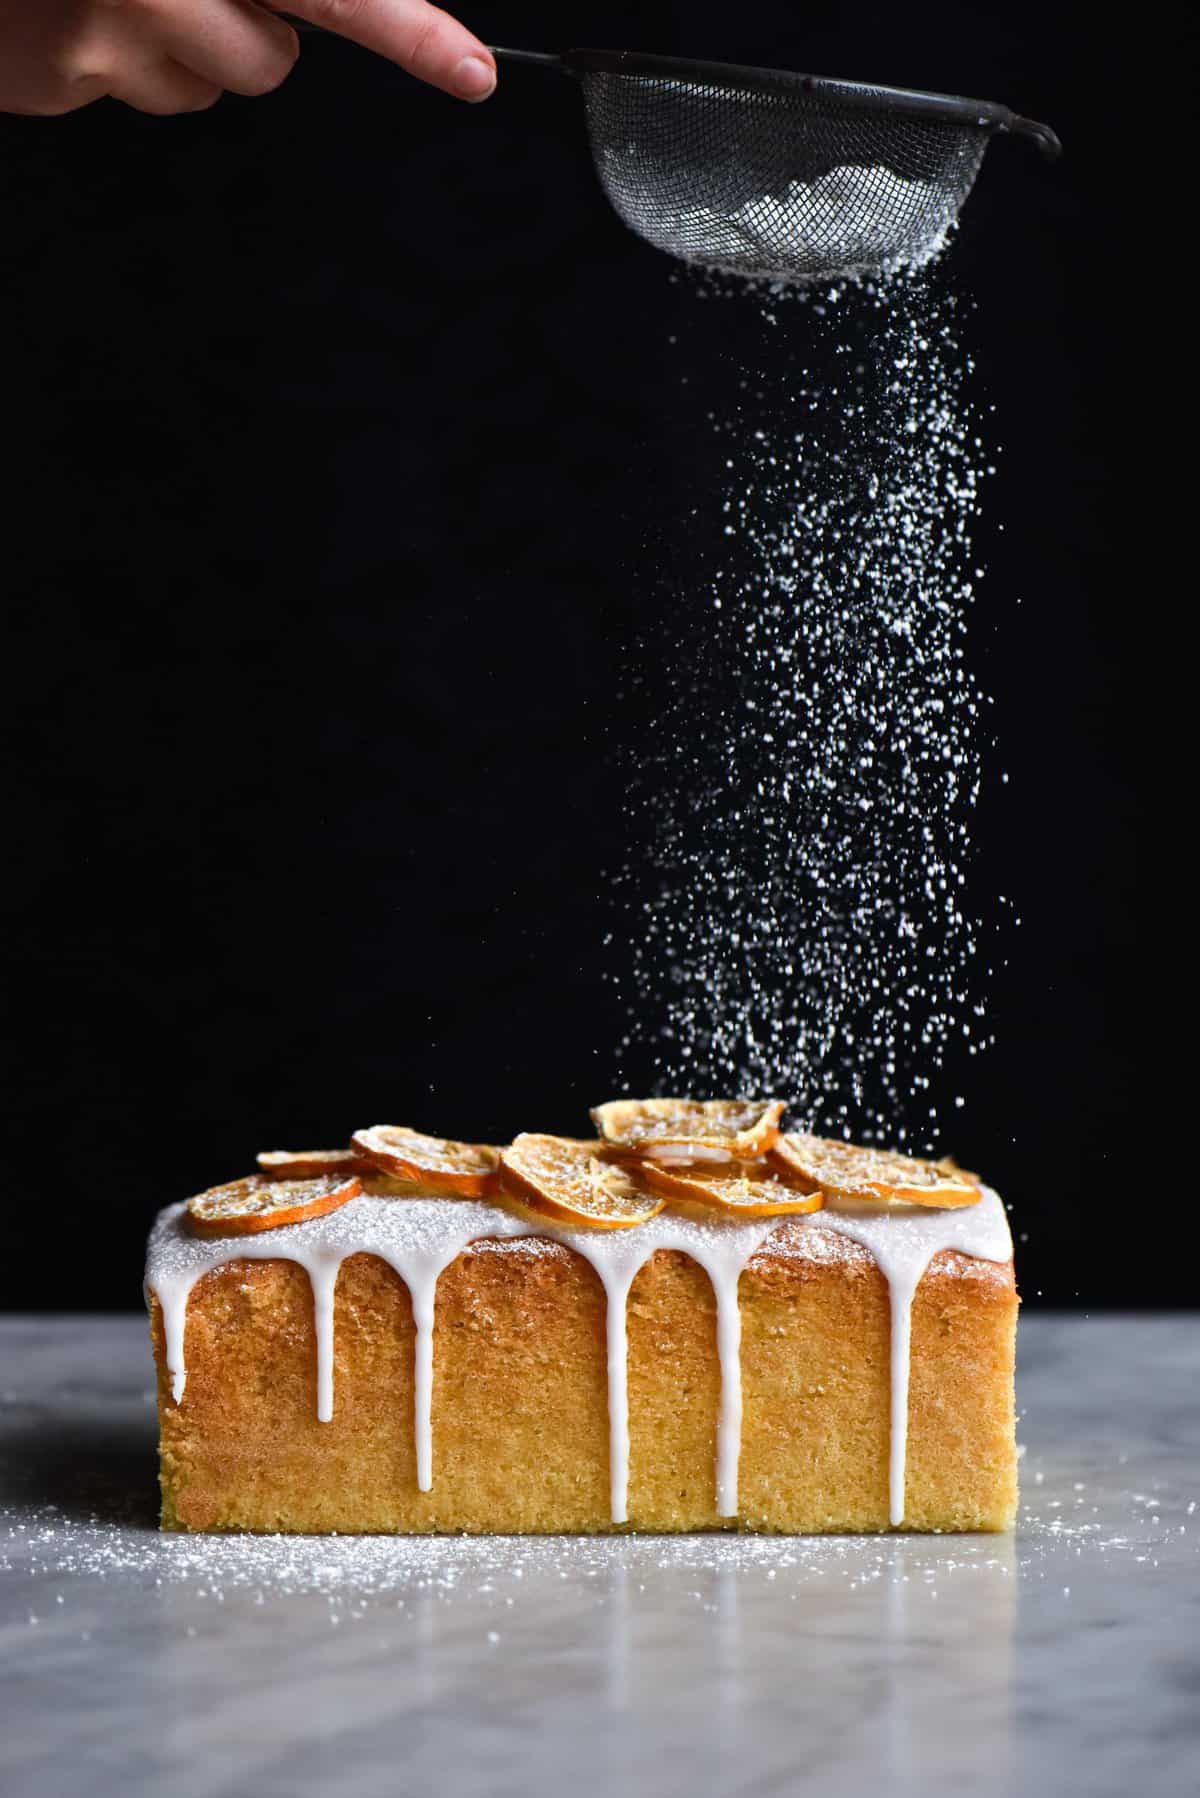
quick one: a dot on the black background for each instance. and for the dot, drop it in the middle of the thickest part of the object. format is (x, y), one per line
(346, 455)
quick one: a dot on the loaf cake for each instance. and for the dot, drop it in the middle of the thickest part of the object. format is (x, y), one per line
(688, 1322)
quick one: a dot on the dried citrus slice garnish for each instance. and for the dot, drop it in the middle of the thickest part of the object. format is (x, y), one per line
(690, 1129)
(391, 1186)
(243, 1207)
(465, 1169)
(310, 1164)
(567, 1180)
(841, 1170)
(743, 1190)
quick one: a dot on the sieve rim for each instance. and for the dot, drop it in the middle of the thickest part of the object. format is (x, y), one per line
(948, 109)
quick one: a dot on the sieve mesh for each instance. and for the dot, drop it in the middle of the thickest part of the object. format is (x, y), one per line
(779, 175)
(776, 184)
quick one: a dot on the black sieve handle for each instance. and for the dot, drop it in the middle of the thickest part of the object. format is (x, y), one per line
(1046, 140)
(532, 58)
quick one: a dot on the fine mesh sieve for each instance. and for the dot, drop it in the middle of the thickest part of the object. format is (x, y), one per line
(777, 175)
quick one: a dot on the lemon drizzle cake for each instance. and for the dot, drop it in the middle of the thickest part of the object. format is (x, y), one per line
(791, 1197)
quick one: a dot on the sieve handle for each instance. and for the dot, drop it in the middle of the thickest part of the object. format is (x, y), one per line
(1046, 140)
(532, 58)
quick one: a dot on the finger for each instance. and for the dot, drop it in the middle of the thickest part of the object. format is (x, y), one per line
(163, 87)
(53, 98)
(421, 38)
(232, 45)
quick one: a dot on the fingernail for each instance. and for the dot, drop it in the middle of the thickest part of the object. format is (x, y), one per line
(474, 79)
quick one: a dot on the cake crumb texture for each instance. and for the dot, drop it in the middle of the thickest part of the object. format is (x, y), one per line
(520, 1397)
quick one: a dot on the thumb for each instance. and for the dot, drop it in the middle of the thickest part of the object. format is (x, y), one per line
(420, 38)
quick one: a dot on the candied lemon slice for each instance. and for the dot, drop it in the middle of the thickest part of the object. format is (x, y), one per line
(841, 1170)
(467, 1170)
(243, 1207)
(680, 1130)
(567, 1180)
(745, 1190)
(309, 1164)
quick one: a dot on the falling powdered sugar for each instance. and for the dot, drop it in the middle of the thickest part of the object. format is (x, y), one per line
(803, 785)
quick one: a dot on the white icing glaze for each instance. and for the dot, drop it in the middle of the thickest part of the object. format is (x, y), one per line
(903, 1244)
(419, 1238)
(722, 1248)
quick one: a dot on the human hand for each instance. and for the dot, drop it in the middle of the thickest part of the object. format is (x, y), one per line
(166, 56)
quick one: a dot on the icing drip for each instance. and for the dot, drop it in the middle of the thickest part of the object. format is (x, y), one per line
(722, 1248)
(903, 1244)
(419, 1238)
(729, 1425)
(420, 1273)
(323, 1279)
(616, 1293)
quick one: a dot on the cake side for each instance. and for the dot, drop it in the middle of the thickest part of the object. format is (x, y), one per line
(520, 1395)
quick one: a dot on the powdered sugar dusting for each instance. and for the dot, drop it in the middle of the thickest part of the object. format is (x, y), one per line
(797, 917)
(405, 1229)
(49, 1546)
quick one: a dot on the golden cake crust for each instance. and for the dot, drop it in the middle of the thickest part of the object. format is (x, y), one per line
(520, 1398)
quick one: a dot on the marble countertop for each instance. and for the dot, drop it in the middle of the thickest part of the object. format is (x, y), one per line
(1066, 1660)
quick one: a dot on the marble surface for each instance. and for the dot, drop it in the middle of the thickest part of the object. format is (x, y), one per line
(1065, 1660)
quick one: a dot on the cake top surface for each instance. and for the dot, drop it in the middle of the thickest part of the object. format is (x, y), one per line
(422, 1235)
